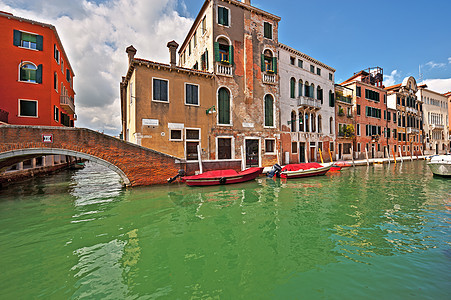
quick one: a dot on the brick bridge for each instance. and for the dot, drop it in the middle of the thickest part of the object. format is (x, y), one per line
(135, 164)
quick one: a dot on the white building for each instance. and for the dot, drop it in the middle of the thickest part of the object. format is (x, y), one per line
(435, 116)
(307, 108)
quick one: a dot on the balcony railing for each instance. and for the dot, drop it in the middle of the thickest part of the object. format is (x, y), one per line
(437, 126)
(412, 130)
(4, 116)
(67, 103)
(344, 99)
(269, 78)
(310, 102)
(223, 69)
(410, 109)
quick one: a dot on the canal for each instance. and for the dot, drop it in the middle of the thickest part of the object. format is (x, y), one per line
(365, 233)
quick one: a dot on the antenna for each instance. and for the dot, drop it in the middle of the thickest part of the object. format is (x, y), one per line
(420, 75)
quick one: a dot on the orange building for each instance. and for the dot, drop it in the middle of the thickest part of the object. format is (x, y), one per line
(36, 78)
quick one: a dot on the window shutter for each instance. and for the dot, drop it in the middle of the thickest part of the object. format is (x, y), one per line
(311, 91)
(231, 54)
(274, 65)
(188, 94)
(225, 16)
(39, 74)
(216, 48)
(16, 38)
(263, 63)
(206, 58)
(39, 42)
(196, 94)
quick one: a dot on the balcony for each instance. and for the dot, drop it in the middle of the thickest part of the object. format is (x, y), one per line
(411, 130)
(67, 103)
(411, 110)
(344, 99)
(269, 78)
(437, 126)
(225, 70)
(4, 116)
(309, 102)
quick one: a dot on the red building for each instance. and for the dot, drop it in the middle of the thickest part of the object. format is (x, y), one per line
(36, 78)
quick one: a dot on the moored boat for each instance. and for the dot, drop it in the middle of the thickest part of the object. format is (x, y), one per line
(305, 170)
(222, 177)
(441, 165)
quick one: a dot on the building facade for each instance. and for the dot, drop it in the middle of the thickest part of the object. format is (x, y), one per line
(435, 116)
(36, 82)
(306, 107)
(238, 44)
(374, 126)
(344, 122)
(403, 98)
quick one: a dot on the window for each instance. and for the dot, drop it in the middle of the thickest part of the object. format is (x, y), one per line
(331, 99)
(292, 60)
(223, 106)
(331, 126)
(56, 54)
(269, 111)
(358, 91)
(318, 71)
(312, 68)
(28, 108)
(270, 146)
(358, 147)
(191, 94)
(320, 124)
(371, 95)
(292, 87)
(331, 146)
(195, 39)
(192, 141)
(331, 77)
(62, 66)
(269, 62)
(160, 90)
(131, 94)
(267, 30)
(30, 73)
(373, 112)
(68, 75)
(203, 26)
(293, 121)
(204, 61)
(55, 81)
(358, 129)
(388, 116)
(300, 63)
(223, 16)
(319, 94)
(27, 40)
(56, 113)
(175, 134)
(294, 147)
(223, 51)
(224, 148)
(301, 121)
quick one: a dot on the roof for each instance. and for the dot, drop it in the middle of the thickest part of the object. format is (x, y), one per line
(447, 94)
(53, 28)
(392, 87)
(294, 51)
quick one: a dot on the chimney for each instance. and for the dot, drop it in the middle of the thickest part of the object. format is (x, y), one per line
(172, 45)
(131, 51)
(246, 2)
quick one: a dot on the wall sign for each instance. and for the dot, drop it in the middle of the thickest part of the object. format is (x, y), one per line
(47, 138)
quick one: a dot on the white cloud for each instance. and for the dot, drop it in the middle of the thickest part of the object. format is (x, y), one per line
(449, 60)
(392, 78)
(439, 85)
(95, 35)
(433, 65)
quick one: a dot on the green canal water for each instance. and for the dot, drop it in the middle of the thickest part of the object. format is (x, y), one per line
(379, 232)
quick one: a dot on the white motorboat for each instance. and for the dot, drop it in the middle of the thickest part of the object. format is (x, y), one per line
(441, 165)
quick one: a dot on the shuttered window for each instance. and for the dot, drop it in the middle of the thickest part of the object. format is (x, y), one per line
(191, 94)
(267, 28)
(160, 90)
(31, 73)
(269, 111)
(224, 106)
(223, 16)
(27, 40)
(292, 87)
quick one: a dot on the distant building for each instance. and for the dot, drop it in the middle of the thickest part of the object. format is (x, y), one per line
(238, 44)
(36, 82)
(448, 95)
(409, 116)
(374, 121)
(306, 107)
(345, 131)
(436, 120)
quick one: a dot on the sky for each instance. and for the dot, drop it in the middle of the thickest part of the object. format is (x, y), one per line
(401, 36)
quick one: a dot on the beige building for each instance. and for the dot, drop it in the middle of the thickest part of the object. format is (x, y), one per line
(435, 125)
(167, 108)
(237, 43)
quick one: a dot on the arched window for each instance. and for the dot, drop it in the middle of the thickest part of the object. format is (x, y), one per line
(28, 72)
(313, 120)
(269, 111)
(223, 106)
(306, 89)
(300, 88)
(312, 91)
(269, 62)
(331, 125)
(306, 123)
(292, 87)
(320, 125)
(223, 51)
(331, 99)
(293, 121)
(319, 94)
(301, 121)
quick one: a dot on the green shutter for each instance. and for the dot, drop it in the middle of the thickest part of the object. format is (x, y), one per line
(16, 37)
(206, 58)
(220, 15)
(263, 63)
(39, 74)
(39, 42)
(269, 114)
(231, 54)
(274, 65)
(216, 48)
(225, 16)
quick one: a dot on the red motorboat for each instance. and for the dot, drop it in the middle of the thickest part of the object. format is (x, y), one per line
(222, 177)
(304, 170)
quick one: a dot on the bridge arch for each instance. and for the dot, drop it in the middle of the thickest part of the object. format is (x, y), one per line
(35, 152)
